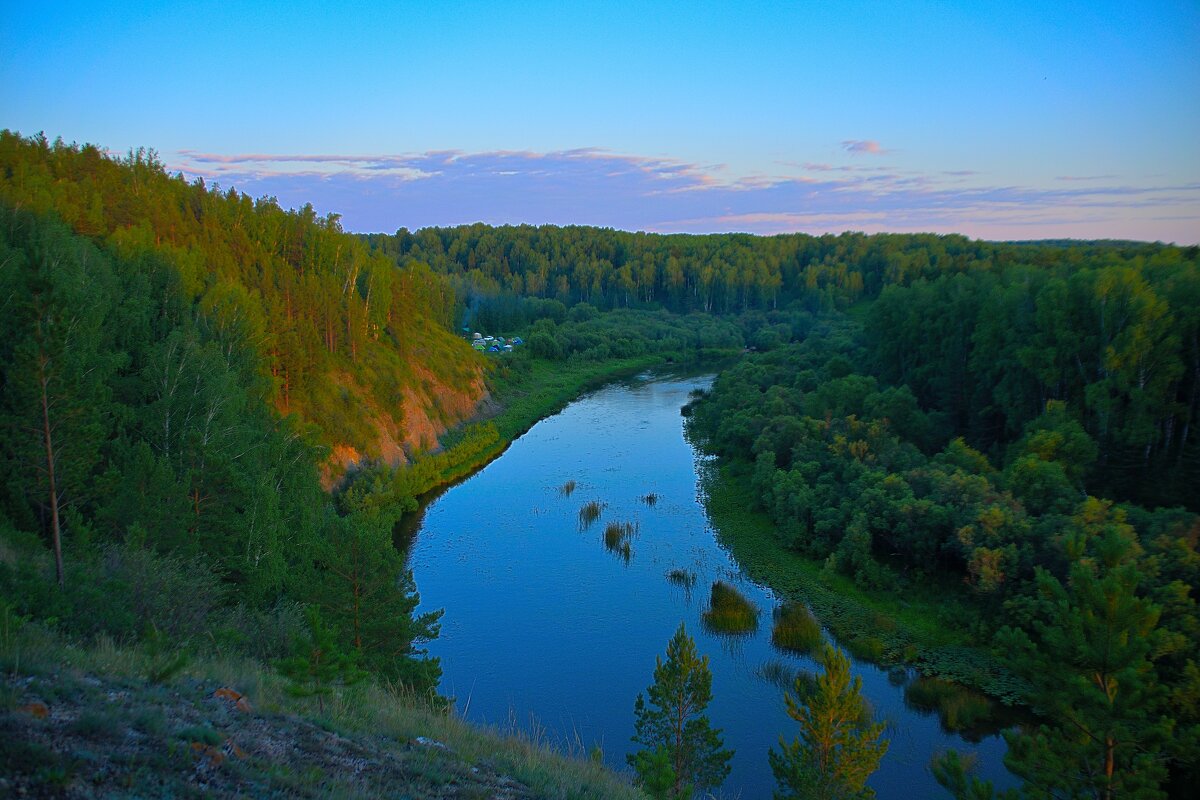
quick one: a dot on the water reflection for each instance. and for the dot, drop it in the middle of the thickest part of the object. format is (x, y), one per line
(543, 622)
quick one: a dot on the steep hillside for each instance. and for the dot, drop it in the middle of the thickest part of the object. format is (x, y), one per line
(349, 344)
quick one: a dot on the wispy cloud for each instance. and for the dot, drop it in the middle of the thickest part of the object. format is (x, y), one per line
(862, 146)
(632, 192)
(1075, 178)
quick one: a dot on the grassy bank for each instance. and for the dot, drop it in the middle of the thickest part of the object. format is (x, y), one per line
(88, 721)
(926, 628)
(522, 394)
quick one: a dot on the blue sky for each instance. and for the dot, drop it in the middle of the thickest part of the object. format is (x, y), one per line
(998, 120)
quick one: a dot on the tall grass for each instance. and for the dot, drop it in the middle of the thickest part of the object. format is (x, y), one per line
(590, 512)
(650, 499)
(959, 708)
(567, 489)
(796, 630)
(681, 577)
(729, 612)
(617, 536)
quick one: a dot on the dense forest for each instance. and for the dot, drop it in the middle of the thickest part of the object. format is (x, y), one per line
(984, 332)
(178, 366)
(342, 339)
(1090, 602)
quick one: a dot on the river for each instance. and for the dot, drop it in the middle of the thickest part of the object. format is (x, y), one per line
(548, 630)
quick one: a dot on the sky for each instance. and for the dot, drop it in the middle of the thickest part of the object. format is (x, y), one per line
(1012, 120)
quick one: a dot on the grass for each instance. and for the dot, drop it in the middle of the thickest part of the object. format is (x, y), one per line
(617, 536)
(385, 720)
(959, 709)
(729, 612)
(567, 489)
(589, 513)
(681, 577)
(650, 499)
(796, 630)
(924, 628)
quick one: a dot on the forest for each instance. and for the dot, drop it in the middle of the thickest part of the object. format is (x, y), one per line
(206, 396)
(1088, 600)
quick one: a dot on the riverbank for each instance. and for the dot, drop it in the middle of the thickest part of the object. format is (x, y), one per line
(524, 392)
(89, 722)
(926, 629)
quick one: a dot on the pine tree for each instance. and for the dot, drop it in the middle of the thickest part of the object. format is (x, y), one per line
(672, 722)
(838, 747)
(369, 597)
(319, 663)
(1090, 663)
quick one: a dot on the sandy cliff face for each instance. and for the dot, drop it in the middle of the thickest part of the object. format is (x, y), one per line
(427, 410)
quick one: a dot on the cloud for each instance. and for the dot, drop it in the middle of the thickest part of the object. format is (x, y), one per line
(590, 186)
(861, 146)
(1084, 177)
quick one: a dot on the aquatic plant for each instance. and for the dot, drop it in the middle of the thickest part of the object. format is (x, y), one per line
(729, 612)
(959, 709)
(796, 630)
(650, 499)
(567, 488)
(866, 648)
(778, 674)
(617, 536)
(590, 513)
(681, 577)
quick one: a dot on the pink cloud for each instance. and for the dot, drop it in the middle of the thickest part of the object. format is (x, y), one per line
(590, 186)
(861, 146)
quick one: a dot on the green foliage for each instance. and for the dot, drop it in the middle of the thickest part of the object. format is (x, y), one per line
(795, 629)
(670, 721)
(368, 597)
(953, 772)
(656, 775)
(166, 350)
(836, 750)
(323, 328)
(319, 664)
(164, 660)
(729, 612)
(1088, 652)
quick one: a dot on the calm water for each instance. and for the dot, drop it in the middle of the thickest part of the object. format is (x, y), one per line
(547, 629)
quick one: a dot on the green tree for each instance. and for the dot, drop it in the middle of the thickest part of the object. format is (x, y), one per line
(838, 747)
(55, 291)
(367, 595)
(671, 718)
(319, 664)
(1090, 661)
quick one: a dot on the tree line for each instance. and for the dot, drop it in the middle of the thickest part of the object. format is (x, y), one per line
(719, 273)
(1089, 601)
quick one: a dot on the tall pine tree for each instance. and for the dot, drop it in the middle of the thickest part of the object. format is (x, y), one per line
(838, 747)
(670, 721)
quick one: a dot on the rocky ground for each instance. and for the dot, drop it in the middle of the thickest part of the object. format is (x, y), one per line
(83, 736)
